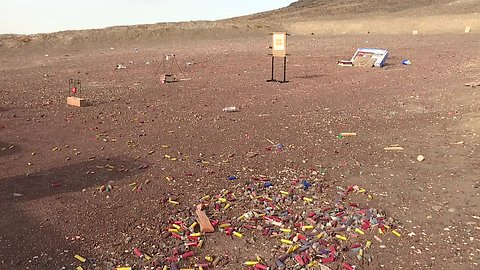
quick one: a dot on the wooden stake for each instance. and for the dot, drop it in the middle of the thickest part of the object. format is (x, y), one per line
(203, 220)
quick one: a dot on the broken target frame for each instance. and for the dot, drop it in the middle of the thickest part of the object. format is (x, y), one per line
(279, 50)
(169, 64)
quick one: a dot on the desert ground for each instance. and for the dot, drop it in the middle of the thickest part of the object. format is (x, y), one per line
(116, 183)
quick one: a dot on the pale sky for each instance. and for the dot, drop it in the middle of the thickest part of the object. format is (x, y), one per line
(43, 16)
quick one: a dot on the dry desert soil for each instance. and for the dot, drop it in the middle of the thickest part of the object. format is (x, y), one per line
(115, 184)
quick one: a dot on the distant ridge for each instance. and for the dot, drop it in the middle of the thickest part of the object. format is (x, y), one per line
(301, 17)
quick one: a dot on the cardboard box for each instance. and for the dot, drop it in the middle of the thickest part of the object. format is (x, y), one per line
(370, 57)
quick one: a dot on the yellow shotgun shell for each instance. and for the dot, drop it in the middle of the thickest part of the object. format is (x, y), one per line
(341, 237)
(320, 235)
(286, 241)
(359, 231)
(79, 268)
(286, 230)
(222, 200)
(307, 227)
(172, 201)
(227, 206)
(237, 234)
(80, 258)
(196, 234)
(250, 263)
(284, 193)
(397, 234)
(176, 226)
(307, 199)
(293, 248)
(368, 244)
(208, 259)
(194, 224)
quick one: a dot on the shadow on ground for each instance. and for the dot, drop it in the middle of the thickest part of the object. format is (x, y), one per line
(8, 149)
(18, 230)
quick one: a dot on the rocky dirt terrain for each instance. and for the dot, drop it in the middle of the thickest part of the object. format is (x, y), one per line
(116, 183)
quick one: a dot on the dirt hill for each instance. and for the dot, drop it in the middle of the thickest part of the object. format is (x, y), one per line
(301, 17)
(374, 16)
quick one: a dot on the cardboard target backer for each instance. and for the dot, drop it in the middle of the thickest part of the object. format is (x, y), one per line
(279, 46)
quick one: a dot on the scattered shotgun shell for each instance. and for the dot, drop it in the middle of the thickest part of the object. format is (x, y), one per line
(293, 248)
(286, 241)
(250, 263)
(216, 261)
(299, 259)
(347, 266)
(359, 231)
(79, 268)
(307, 227)
(309, 200)
(225, 225)
(393, 148)
(80, 258)
(368, 244)
(237, 234)
(348, 134)
(341, 237)
(397, 234)
(261, 266)
(172, 201)
(194, 224)
(187, 254)
(284, 193)
(138, 252)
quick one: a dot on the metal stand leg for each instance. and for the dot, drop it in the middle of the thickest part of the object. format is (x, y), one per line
(284, 70)
(273, 68)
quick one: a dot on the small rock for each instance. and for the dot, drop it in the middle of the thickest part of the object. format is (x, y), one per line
(420, 158)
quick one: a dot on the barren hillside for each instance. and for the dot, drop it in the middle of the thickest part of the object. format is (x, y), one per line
(301, 17)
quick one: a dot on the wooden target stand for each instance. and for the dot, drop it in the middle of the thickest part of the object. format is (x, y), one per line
(74, 89)
(279, 50)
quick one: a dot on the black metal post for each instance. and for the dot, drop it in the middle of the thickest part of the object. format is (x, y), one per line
(273, 68)
(284, 70)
